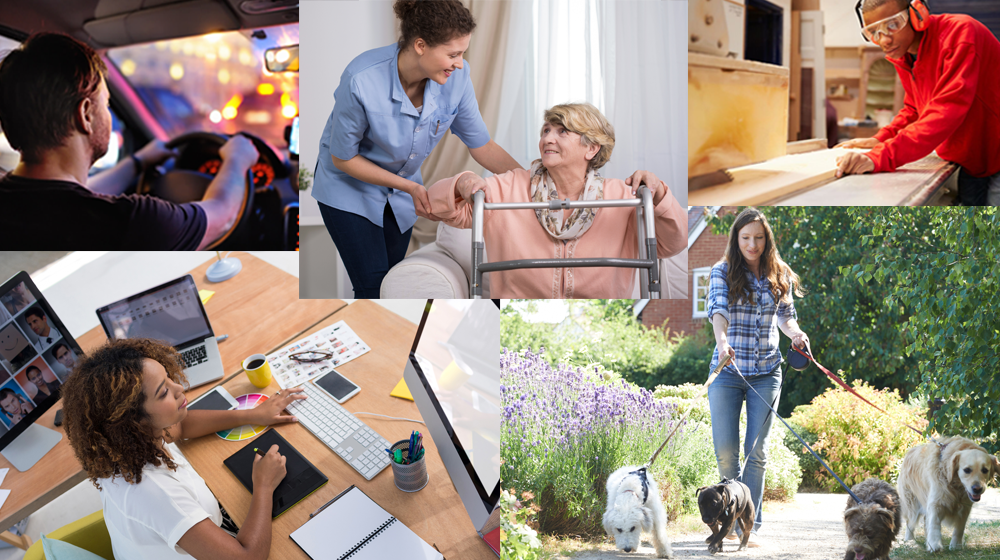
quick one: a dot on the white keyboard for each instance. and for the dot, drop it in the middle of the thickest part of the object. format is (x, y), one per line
(341, 431)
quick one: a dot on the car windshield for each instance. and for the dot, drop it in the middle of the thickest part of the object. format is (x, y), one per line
(215, 82)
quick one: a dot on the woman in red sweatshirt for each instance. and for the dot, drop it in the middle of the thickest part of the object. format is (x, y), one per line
(949, 73)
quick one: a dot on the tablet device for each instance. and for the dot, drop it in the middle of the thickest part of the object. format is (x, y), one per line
(337, 386)
(301, 477)
(216, 399)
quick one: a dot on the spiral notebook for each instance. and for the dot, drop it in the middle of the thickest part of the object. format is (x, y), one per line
(355, 527)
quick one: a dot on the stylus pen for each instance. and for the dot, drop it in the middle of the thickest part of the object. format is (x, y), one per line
(324, 506)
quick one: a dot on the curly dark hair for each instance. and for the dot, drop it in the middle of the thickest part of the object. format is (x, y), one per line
(105, 416)
(434, 21)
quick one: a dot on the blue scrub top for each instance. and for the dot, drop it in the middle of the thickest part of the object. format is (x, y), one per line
(372, 116)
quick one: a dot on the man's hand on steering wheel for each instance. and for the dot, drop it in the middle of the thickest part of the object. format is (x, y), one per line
(154, 153)
(239, 151)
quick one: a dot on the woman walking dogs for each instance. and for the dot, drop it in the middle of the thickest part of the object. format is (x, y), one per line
(393, 105)
(749, 299)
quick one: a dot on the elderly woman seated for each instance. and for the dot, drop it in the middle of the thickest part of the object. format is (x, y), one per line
(576, 141)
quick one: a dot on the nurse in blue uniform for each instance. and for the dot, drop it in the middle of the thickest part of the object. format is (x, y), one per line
(393, 105)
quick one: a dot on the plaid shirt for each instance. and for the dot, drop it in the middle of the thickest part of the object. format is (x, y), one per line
(753, 327)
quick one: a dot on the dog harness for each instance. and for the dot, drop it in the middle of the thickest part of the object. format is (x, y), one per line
(641, 473)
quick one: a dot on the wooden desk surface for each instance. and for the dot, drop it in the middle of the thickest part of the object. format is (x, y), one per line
(259, 309)
(435, 513)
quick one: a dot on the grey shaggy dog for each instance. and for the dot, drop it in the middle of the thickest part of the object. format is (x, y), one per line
(873, 525)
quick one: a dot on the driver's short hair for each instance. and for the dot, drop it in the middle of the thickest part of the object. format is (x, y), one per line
(41, 84)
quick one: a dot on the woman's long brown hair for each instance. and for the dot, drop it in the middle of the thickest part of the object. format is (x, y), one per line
(783, 280)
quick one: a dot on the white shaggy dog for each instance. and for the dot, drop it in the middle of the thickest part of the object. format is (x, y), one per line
(634, 508)
(940, 482)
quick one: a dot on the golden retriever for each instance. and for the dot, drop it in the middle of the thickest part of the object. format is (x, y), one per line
(940, 482)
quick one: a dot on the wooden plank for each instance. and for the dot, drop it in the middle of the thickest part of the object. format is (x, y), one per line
(795, 81)
(804, 146)
(763, 182)
(725, 63)
(737, 113)
(435, 513)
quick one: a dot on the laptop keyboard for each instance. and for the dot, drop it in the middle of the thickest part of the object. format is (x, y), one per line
(341, 431)
(195, 356)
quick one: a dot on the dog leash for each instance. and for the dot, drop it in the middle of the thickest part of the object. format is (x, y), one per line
(711, 378)
(774, 402)
(850, 390)
(818, 458)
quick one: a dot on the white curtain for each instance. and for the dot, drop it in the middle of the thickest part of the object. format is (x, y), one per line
(646, 90)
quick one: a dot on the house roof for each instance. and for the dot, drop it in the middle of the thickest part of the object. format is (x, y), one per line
(697, 222)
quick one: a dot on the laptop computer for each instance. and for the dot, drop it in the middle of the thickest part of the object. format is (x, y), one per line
(171, 312)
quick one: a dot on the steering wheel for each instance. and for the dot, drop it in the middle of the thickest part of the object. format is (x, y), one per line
(182, 185)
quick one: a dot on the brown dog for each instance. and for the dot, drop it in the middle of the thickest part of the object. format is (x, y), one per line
(721, 507)
(940, 482)
(873, 524)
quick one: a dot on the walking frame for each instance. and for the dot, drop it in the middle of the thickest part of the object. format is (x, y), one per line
(649, 282)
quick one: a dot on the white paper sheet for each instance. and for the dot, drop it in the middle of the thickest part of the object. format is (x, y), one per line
(337, 339)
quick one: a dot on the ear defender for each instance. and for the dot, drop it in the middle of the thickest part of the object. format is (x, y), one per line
(920, 15)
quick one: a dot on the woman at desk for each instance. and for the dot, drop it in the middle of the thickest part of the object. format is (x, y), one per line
(124, 409)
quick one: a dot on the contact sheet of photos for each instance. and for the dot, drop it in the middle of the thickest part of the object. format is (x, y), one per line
(34, 357)
(337, 339)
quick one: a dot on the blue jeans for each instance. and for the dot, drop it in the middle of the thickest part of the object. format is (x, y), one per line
(725, 401)
(368, 251)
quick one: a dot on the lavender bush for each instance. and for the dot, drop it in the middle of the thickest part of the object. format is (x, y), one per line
(565, 429)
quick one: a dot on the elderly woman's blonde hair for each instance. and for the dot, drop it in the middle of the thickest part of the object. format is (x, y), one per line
(585, 120)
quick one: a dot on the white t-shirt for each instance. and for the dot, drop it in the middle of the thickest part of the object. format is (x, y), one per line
(146, 520)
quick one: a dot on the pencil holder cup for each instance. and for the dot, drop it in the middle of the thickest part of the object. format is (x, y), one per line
(412, 477)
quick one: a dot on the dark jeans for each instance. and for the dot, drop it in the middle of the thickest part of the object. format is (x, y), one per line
(368, 251)
(972, 191)
(725, 402)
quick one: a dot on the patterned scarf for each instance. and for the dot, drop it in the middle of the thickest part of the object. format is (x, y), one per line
(580, 220)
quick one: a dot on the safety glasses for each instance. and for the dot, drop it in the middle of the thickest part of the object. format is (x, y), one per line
(888, 26)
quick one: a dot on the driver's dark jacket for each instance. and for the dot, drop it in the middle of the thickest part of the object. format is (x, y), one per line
(59, 215)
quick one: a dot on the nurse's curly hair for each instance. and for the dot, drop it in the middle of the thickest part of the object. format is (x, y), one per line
(105, 416)
(434, 21)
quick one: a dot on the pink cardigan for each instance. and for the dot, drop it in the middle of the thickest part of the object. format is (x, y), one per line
(516, 234)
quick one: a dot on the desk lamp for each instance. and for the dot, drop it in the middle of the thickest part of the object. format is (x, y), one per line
(224, 268)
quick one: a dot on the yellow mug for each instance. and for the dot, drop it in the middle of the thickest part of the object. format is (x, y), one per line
(259, 373)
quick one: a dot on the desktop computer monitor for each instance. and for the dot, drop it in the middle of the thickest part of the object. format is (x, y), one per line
(453, 373)
(37, 354)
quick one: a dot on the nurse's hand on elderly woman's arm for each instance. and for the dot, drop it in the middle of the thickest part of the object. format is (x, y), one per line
(365, 170)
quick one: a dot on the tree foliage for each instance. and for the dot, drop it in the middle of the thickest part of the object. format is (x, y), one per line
(939, 270)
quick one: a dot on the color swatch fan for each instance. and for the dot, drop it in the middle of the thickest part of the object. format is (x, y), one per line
(241, 433)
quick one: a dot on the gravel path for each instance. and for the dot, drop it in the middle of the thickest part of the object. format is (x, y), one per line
(809, 528)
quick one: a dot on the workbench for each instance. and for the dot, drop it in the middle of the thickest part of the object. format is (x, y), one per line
(809, 179)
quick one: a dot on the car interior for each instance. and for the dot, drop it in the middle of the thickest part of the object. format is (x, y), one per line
(191, 73)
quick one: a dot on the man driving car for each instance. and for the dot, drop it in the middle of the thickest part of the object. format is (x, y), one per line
(54, 111)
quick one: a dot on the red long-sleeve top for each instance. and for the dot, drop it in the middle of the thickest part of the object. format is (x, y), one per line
(952, 100)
